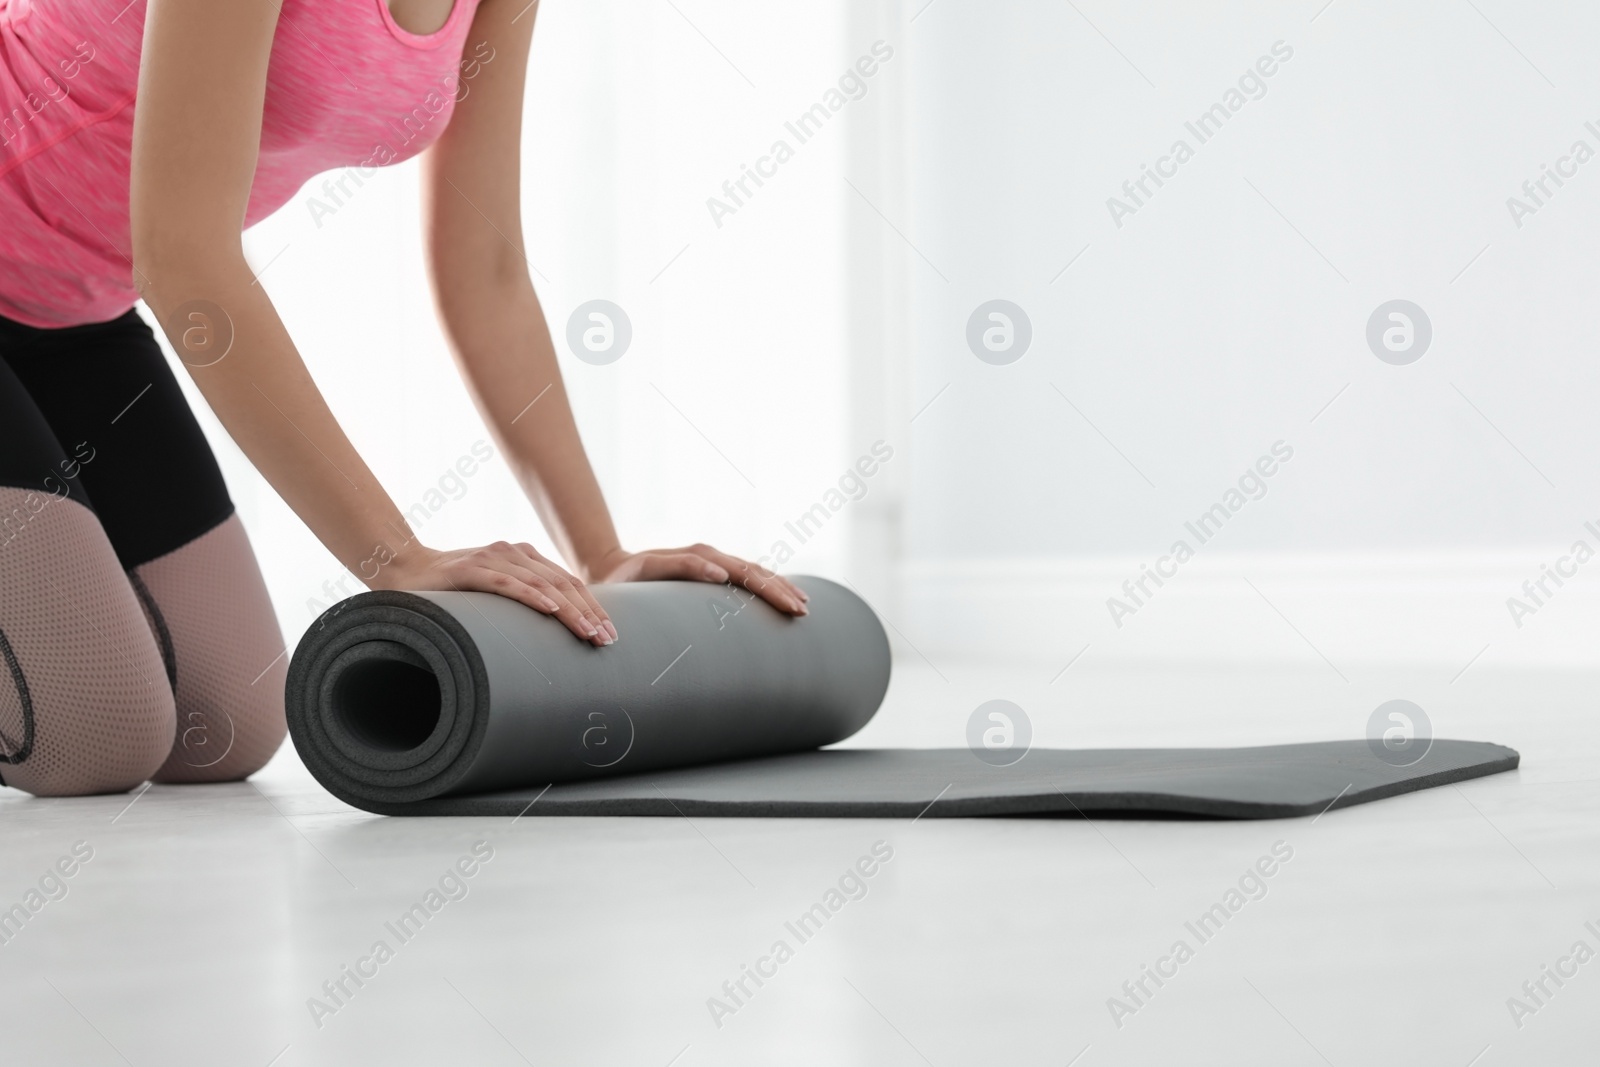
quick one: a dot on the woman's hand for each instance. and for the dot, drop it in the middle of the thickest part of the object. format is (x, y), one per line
(515, 571)
(702, 563)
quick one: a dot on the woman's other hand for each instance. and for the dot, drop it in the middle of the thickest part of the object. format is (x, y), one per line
(702, 563)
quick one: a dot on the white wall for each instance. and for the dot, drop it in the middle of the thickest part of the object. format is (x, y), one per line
(1224, 314)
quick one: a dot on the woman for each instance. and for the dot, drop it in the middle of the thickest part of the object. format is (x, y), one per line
(134, 624)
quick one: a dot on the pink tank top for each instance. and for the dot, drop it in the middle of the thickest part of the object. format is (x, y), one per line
(347, 86)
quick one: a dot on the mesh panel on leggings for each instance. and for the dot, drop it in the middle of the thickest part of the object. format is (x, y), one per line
(101, 708)
(228, 656)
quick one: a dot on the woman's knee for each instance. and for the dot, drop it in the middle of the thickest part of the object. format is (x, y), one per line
(208, 607)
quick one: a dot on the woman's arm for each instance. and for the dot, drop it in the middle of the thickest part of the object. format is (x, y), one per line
(498, 331)
(197, 128)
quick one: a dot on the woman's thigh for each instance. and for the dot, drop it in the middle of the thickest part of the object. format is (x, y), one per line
(156, 488)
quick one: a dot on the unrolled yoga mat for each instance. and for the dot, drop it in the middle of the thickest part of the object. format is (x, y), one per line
(713, 703)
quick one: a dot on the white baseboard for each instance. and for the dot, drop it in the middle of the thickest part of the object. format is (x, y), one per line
(1442, 609)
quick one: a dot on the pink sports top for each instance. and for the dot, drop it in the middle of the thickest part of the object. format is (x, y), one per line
(347, 86)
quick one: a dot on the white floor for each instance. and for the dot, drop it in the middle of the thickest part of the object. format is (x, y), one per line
(207, 918)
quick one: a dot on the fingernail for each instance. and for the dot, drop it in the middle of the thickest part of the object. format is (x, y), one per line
(716, 573)
(800, 609)
(612, 630)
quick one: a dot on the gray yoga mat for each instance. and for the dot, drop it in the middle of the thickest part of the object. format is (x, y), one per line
(714, 704)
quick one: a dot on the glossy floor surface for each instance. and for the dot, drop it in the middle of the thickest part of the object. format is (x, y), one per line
(216, 925)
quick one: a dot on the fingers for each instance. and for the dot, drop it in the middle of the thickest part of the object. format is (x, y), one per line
(517, 572)
(521, 574)
(768, 585)
(520, 584)
(573, 590)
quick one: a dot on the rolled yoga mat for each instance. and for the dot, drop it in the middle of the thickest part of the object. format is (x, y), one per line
(713, 703)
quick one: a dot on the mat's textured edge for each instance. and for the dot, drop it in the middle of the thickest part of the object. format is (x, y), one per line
(969, 807)
(299, 708)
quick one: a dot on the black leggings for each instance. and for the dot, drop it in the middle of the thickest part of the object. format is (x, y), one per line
(136, 637)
